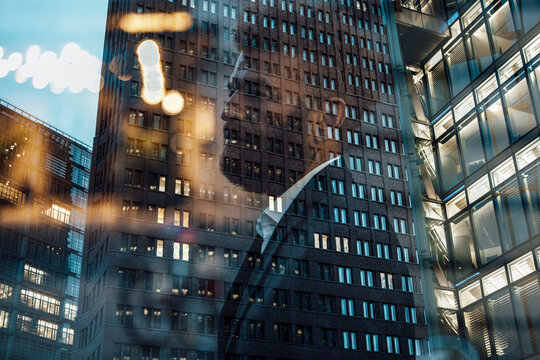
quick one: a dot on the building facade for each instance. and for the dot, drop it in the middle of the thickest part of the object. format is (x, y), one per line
(471, 107)
(44, 177)
(197, 249)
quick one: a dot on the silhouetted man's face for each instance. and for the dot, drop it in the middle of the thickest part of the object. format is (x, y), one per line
(254, 95)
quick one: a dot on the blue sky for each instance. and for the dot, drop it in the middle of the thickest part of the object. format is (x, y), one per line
(51, 25)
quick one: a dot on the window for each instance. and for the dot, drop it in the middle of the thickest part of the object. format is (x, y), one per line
(152, 318)
(368, 309)
(387, 280)
(324, 271)
(328, 337)
(389, 312)
(366, 278)
(379, 222)
(407, 283)
(320, 241)
(410, 315)
(182, 218)
(392, 344)
(358, 190)
(372, 342)
(349, 340)
(345, 275)
(383, 251)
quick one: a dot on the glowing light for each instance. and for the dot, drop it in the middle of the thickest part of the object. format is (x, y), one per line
(141, 23)
(173, 103)
(153, 82)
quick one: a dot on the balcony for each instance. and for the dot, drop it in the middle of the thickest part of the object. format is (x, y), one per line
(421, 28)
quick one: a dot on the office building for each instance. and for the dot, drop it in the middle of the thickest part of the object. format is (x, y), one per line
(470, 100)
(44, 176)
(182, 261)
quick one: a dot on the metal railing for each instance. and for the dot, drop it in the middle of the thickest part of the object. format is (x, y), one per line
(43, 123)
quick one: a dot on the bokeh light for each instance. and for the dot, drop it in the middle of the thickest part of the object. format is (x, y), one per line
(153, 89)
(173, 103)
(141, 23)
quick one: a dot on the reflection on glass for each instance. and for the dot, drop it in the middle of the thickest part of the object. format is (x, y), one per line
(520, 112)
(437, 83)
(456, 204)
(494, 281)
(503, 328)
(510, 215)
(471, 145)
(532, 48)
(479, 188)
(509, 68)
(451, 171)
(521, 267)
(530, 182)
(487, 87)
(528, 13)
(470, 294)
(471, 14)
(464, 107)
(527, 298)
(494, 130)
(485, 228)
(503, 31)
(443, 124)
(528, 154)
(477, 331)
(478, 48)
(503, 172)
(456, 61)
(445, 299)
(464, 253)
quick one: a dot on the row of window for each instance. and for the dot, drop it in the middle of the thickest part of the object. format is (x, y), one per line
(281, 332)
(41, 327)
(278, 264)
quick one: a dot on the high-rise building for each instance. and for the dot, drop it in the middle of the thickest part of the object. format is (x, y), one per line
(44, 176)
(226, 231)
(470, 109)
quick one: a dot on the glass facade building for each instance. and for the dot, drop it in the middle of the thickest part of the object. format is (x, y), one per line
(44, 177)
(472, 105)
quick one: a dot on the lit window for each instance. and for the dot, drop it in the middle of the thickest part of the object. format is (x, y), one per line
(162, 183)
(58, 213)
(521, 267)
(503, 172)
(47, 329)
(494, 281)
(160, 215)
(40, 301)
(67, 335)
(4, 319)
(159, 248)
(70, 309)
(530, 153)
(34, 274)
(185, 252)
(455, 205)
(479, 188)
(470, 294)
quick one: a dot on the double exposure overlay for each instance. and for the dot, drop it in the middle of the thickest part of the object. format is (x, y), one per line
(280, 180)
